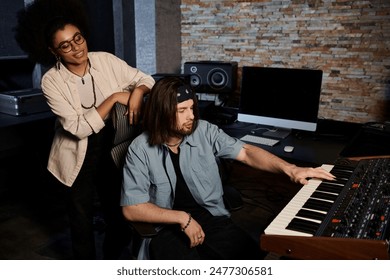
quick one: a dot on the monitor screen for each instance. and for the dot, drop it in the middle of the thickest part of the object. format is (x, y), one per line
(280, 97)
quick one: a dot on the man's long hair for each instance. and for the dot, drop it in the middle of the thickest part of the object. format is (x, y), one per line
(161, 108)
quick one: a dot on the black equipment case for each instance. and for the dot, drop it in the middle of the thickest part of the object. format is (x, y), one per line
(23, 102)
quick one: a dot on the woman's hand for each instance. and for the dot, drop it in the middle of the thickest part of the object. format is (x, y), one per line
(135, 103)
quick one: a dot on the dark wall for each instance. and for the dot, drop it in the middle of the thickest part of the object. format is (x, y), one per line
(101, 25)
(100, 18)
(15, 68)
(8, 45)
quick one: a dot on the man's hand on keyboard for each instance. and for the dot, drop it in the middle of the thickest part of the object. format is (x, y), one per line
(302, 174)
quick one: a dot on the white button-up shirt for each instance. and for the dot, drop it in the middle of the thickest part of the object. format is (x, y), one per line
(74, 124)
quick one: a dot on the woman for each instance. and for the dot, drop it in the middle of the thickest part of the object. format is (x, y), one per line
(81, 89)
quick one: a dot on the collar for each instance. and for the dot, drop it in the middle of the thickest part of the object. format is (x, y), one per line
(67, 75)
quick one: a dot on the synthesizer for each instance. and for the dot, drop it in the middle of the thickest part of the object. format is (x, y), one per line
(348, 218)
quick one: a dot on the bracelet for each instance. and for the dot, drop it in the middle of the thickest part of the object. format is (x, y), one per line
(188, 223)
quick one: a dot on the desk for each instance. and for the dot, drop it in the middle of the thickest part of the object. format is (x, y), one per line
(310, 148)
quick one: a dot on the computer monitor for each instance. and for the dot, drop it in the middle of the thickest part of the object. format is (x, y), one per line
(283, 98)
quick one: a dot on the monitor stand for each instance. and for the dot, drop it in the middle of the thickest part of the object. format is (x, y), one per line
(278, 133)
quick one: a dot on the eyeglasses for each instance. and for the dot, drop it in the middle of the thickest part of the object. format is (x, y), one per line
(66, 46)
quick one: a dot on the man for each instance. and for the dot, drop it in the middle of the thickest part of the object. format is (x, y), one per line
(171, 179)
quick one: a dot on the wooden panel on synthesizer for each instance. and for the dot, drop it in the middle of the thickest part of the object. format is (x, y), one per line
(325, 248)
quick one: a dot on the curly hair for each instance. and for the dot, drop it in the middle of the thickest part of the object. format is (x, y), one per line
(38, 22)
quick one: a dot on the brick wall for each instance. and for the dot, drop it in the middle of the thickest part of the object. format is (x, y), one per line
(348, 40)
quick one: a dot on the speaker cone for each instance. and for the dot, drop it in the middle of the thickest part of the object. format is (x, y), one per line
(195, 80)
(217, 78)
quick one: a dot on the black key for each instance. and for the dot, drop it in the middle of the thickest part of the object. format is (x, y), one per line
(322, 195)
(316, 204)
(341, 175)
(304, 213)
(300, 225)
(325, 187)
(339, 181)
(346, 168)
(335, 182)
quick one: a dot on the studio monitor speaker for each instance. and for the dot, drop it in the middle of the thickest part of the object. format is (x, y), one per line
(212, 76)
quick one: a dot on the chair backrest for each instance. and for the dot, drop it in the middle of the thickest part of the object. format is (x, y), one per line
(124, 133)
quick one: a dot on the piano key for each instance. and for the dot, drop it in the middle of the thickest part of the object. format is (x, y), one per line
(324, 195)
(303, 226)
(346, 217)
(341, 174)
(314, 215)
(337, 181)
(317, 204)
(329, 188)
(348, 168)
(345, 169)
(281, 221)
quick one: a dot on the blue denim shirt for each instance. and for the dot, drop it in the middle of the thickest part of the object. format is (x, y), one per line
(149, 175)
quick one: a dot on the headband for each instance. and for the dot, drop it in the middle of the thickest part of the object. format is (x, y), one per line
(184, 93)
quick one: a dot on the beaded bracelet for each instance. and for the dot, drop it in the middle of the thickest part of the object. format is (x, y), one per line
(188, 223)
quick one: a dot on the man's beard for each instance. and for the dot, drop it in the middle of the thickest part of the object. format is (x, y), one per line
(185, 129)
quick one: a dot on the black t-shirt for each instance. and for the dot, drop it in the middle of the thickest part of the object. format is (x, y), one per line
(183, 197)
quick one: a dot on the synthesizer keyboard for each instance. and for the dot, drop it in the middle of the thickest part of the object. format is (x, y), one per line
(353, 211)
